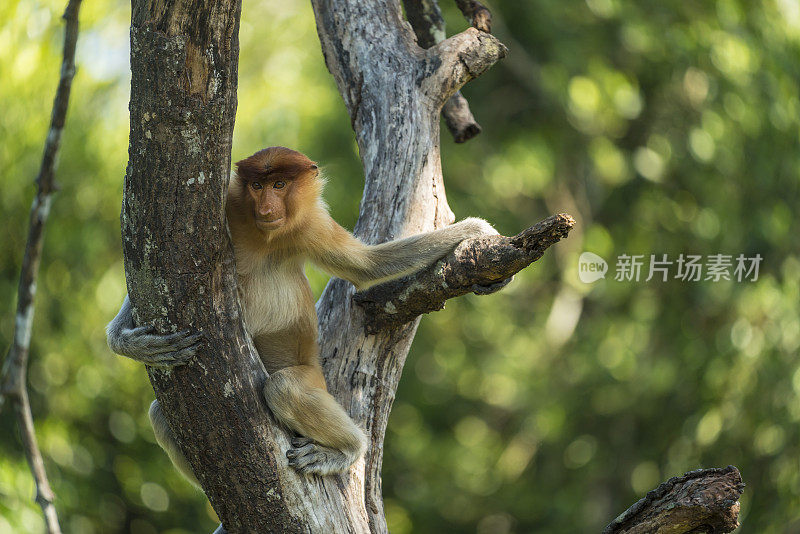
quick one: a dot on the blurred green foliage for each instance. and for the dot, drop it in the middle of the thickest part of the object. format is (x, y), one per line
(667, 127)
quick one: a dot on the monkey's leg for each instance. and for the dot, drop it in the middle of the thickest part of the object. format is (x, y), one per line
(331, 441)
(166, 439)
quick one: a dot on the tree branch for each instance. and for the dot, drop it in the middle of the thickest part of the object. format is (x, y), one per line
(477, 14)
(459, 118)
(706, 500)
(473, 264)
(429, 26)
(459, 59)
(426, 20)
(16, 363)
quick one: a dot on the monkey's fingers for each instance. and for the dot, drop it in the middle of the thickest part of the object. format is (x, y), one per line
(175, 342)
(187, 338)
(294, 454)
(142, 330)
(492, 288)
(315, 459)
(300, 441)
(168, 360)
(302, 456)
(142, 344)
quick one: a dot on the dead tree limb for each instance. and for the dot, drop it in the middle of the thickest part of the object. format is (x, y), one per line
(478, 14)
(706, 500)
(429, 26)
(15, 366)
(472, 266)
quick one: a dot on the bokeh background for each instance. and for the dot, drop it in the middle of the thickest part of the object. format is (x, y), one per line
(664, 127)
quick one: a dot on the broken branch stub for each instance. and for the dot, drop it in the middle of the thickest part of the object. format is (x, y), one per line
(705, 500)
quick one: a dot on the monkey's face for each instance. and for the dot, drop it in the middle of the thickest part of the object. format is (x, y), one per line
(269, 202)
(279, 183)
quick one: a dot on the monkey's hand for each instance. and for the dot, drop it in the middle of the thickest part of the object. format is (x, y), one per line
(144, 345)
(479, 227)
(156, 350)
(475, 227)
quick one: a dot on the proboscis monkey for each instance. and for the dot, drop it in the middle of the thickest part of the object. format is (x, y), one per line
(277, 221)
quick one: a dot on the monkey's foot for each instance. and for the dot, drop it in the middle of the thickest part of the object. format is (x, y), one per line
(311, 458)
(492, 288)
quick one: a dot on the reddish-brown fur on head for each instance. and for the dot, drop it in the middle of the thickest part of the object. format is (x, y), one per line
(275, 162)
(276, 187)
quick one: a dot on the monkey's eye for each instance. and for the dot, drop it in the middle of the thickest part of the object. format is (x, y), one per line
(255, 185)
(279, 185)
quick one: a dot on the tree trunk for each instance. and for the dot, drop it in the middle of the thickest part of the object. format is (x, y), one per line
(393, 91)
(178, 258)
(179, 262)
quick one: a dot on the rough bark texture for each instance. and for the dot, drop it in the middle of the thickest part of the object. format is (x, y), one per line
(706, 500)
(393, 91)
(474, 264)
(178, 258)
(478, 14)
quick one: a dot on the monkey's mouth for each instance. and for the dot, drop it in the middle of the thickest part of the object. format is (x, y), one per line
(265, 224)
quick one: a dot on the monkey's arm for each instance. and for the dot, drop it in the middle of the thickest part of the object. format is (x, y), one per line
(144, 345)
(344, 256)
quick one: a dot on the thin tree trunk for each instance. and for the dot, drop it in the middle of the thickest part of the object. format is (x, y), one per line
(13, 378)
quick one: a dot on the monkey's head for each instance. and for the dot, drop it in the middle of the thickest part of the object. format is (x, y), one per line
(279, 185)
